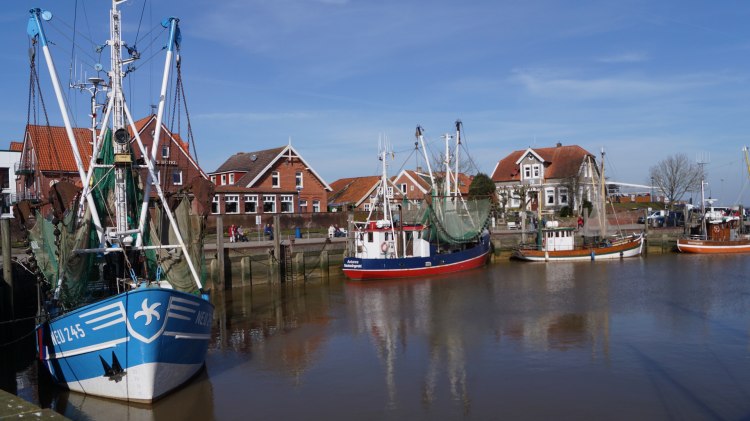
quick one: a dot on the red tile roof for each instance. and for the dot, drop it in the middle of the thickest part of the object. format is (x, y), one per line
(16, 146)
(351, 190)
(52, 147)
(560, 162)
(251, 162)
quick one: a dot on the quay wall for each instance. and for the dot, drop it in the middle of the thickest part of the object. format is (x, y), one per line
(253, 262)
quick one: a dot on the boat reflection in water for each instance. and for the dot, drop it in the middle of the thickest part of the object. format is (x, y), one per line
(447, 323)
(627, 339)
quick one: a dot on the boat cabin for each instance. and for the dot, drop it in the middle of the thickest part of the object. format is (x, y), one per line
(384, 240)
(557, 239)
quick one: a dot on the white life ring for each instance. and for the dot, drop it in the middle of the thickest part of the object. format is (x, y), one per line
(384, 247)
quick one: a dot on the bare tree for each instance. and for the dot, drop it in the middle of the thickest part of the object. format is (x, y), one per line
(675, 176)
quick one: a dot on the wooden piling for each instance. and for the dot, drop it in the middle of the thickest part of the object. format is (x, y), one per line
(246, 270)
(7, 264)
(324, 264)
(219, 281)
(277, 246)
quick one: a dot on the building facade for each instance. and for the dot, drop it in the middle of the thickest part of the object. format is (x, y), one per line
(547, 178)
(8, 163)
(270, 181)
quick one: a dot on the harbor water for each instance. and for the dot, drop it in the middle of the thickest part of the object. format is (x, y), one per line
(663, 337)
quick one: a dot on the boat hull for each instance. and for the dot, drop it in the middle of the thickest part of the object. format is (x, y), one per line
(686, 245)
(410, 267)
(618, 250)
(135, 346)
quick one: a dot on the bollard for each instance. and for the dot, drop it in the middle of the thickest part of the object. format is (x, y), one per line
(219, 280)
(7, 264)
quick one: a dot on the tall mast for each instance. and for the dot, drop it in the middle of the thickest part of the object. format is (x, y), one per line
(35, 29)
(447, 162)
(602, 201)
(122, 137)
(458, 148)
(420, 137)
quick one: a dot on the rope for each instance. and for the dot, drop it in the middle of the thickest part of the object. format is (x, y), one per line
(19, 339)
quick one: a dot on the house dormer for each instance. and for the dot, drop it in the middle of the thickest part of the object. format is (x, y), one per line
(530, 166)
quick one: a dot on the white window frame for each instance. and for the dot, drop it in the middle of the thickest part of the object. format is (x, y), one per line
(316, 206)
(298, 179)
(536, 170)
(269, 198)
(231, 178)
(251, 198)
(389, 192)
(515, 200)
(526, 172)
(287, 199)
(562, 194)
(403, 188)
(549, 196)
(303, 205)
(158, 178)
(366, 207)
(165, 151)
(216, 200)
(174, 172)
(275, 180)
(213, 179)
(232, 199)
(223, 179)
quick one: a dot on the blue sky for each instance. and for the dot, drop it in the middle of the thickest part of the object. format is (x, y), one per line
(641, 79)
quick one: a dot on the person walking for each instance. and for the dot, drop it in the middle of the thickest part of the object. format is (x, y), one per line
(231, 233)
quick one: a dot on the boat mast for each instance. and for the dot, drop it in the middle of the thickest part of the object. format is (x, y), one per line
(35, 29)
(447, 162)
(457, 192)
(602, 201)
(121, 136)
(174, 40)
(420, 137)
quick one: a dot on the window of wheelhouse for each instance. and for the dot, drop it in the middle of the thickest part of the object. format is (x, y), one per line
(369, 237)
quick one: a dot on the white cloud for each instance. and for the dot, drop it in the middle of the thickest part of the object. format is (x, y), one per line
(612, 87)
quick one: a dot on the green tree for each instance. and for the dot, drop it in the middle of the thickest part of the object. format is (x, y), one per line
(482, 185)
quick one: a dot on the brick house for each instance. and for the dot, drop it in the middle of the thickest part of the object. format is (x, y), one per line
(416, 184)
(46, 158)
(356, 193)
(270, 181)
(353, 193)
(560, 175)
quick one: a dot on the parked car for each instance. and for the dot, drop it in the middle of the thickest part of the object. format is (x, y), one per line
(653, 217)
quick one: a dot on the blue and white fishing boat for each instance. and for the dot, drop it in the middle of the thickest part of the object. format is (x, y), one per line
(125, 315)
(446, 233)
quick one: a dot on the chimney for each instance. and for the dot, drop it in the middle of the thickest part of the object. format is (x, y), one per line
(559, 144)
